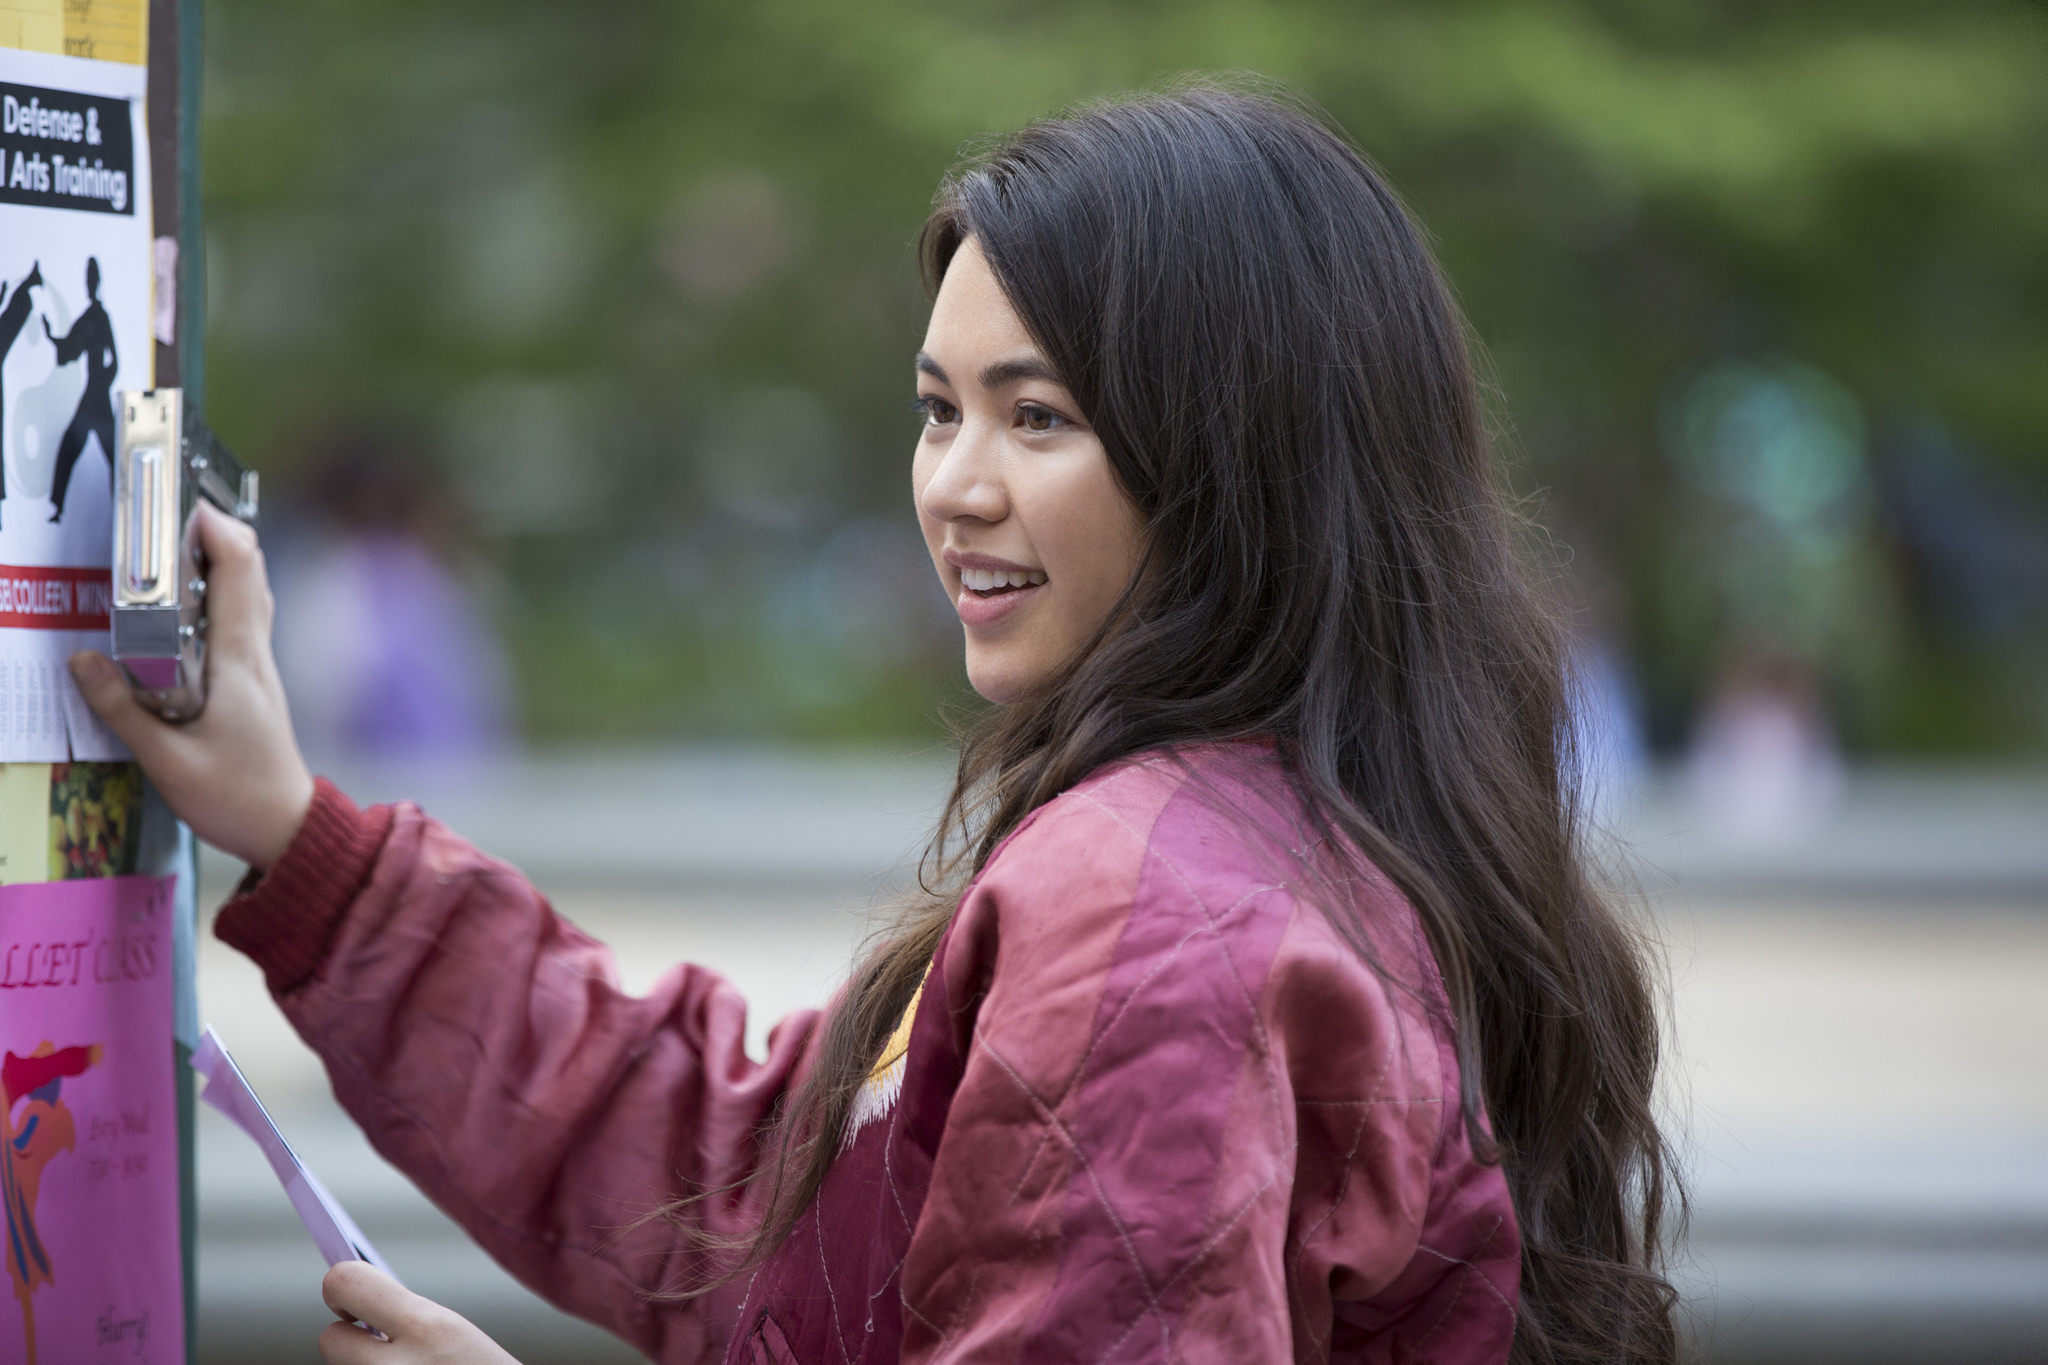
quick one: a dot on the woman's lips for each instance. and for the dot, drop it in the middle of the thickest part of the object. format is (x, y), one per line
(982, 611)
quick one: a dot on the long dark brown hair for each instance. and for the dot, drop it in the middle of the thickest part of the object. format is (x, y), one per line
(1282, 382)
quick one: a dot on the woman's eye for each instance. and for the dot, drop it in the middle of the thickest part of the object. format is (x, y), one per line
(1036, 418)
(936, 411)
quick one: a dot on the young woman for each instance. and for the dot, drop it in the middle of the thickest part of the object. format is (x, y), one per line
(1262, 1011)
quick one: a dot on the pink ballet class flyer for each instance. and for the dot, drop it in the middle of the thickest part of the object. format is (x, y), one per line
(89, 1134)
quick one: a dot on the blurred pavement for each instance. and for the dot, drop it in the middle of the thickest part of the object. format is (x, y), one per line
(1861, 1022)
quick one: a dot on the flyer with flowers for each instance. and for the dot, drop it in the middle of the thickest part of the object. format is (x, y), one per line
(89, 1128)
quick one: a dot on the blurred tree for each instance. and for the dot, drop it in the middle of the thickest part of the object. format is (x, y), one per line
(646, 267)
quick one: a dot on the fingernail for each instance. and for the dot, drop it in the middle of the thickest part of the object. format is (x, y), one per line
(91, 669)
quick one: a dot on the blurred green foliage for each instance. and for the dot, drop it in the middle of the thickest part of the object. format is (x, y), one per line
(643, 271)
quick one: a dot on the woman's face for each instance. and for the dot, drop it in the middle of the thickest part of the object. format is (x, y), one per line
(1032, 536)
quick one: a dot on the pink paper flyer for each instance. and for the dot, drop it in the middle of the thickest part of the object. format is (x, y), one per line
(89, 1135)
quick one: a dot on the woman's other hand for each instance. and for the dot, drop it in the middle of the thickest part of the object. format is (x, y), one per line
(418, 1331)
(235, 774)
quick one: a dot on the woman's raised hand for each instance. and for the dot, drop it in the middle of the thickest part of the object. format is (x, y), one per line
(234, 775)
(417, 1331)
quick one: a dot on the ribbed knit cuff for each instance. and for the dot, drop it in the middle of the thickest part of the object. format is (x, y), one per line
(285, 918)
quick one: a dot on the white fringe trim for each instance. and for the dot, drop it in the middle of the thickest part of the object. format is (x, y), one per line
(876, 1098)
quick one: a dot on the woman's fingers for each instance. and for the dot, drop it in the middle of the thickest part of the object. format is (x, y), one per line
(238, 602)
(419, 1331)
(235, 774)
(359, 1292)
(344, 1343)
(105, 689)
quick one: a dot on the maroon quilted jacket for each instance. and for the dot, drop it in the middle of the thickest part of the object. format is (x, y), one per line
(1147, 1107)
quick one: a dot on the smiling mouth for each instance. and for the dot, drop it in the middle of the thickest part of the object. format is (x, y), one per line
(987, 583)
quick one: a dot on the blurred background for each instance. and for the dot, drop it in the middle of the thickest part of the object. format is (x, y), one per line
(1763, 289)
(573, 341)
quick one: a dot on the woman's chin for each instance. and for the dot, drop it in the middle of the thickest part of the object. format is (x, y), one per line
(999, 694)
(999, 680)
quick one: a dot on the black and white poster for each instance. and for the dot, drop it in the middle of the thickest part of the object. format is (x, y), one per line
(76, 301)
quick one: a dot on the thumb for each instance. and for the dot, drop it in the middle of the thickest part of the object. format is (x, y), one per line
(105, 689)
(359, 1292)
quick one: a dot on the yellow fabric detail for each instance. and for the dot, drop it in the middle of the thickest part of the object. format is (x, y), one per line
(899, 1041)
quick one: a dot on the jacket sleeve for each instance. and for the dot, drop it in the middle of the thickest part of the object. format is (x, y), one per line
(486, 1048)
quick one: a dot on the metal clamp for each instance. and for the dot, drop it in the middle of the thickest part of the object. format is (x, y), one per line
(167, 460)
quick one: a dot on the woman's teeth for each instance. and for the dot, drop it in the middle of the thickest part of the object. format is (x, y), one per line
(994, 580)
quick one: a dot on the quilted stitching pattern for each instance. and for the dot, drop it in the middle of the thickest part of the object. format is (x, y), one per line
(1216, 1218)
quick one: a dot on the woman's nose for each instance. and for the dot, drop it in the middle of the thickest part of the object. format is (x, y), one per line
(967, 485)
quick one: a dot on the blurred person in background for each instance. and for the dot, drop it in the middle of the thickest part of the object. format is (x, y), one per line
(1258, 1007)
(1609, 752)
(1763, 765)
(382, 649)
(1783, 529)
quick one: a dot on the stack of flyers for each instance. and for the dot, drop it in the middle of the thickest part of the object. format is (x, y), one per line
(228, 1091)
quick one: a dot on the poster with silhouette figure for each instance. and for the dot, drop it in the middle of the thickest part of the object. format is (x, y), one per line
(88, 1124)
(77, 286)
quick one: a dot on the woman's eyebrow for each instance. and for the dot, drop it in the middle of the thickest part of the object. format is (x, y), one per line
(998, 374)
(1010, 371)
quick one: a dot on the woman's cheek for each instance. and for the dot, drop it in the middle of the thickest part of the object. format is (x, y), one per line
(1092, 553)
(922, 466)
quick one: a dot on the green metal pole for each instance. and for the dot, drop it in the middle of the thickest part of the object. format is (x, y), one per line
(191, 234)
(187, 1093)
(191, 332)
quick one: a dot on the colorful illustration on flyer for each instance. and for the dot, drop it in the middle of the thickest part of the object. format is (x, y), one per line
(28, 1140)
(95, 809)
